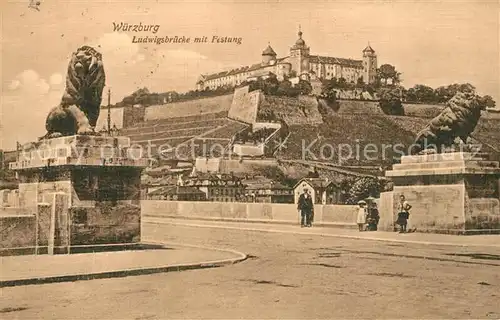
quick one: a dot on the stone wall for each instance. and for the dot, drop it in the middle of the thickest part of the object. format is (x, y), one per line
(324, 214)
(422, 110)
(133, 115)
(248, 150)
(105, 224)
(245, 105)
(302, 110)
(233, 165)
(386, 211)
(189, 108)
(17, 231)
(357, 106)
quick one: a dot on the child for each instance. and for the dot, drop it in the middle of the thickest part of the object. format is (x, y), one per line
(373, 217)
(361, 220)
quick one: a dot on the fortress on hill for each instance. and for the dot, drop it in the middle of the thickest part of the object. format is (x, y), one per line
(299, 62)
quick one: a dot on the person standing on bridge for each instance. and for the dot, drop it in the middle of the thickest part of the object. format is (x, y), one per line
(306, 209)
(403, 213)
(362, 213)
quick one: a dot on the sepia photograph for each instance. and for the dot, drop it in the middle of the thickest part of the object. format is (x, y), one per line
(280, 159)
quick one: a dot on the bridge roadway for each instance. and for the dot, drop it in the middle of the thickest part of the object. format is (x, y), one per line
(287, 276)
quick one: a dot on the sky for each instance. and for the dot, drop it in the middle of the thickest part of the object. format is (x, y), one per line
(429, 42)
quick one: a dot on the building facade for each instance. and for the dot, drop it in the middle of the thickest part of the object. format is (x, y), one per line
(267, 191)
(177, 193)
(298, 63)
(321, 190)
(217, 187)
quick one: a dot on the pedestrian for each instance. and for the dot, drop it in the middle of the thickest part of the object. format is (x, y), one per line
(362, 213)
(403, 213)
(373, 217)
(306, 209)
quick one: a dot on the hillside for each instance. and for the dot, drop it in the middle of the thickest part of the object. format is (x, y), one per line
(344, 132)
(190, 136)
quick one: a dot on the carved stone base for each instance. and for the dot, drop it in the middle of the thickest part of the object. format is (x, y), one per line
(450, 193)
(83, 190)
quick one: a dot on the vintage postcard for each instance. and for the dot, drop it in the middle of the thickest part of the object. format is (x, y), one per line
(249, 159)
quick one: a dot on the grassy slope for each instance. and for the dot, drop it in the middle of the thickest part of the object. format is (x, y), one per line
(354, 130)
(368, 127)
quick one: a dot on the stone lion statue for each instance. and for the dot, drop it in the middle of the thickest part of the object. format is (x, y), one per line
(457, 120)
(80, 104)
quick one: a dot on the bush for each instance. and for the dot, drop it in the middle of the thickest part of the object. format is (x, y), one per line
(362, 189)
(390, 101)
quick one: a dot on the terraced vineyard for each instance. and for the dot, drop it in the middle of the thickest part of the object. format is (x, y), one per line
(185, 137)
(344, 134)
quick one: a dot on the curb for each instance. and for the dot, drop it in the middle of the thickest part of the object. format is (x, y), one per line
(132, 272)
(339, 225)
(327, 235)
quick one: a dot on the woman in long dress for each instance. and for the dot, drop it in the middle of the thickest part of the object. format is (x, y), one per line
(361, 219)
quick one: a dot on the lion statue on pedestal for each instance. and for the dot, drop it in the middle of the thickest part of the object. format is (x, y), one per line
(80, 104)
(457, 120)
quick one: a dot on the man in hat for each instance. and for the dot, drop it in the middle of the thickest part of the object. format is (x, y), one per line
(306, 208)
(362, 213)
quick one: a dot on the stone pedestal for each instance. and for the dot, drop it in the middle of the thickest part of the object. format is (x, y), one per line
(453, 192)
(87, 187)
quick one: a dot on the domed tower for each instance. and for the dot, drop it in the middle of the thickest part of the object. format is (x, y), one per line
(299, 55)
(369, 65)
(268, 55)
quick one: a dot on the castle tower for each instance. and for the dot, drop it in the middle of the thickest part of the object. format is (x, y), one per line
(268, 55)
(369, 65)
(299, 56)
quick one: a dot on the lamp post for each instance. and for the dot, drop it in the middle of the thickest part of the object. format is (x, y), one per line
(109, 111)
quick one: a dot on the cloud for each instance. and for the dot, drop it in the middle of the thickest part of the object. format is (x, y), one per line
(178, 69)
(30, 81)
(14, 84)
(25, 106)
(118, 49)
(184, 55)
(56, 79)
(123, 62)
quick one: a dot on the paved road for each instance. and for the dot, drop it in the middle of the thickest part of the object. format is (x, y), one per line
(289, 277)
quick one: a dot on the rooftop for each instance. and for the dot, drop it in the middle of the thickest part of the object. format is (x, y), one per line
(315, 182)
(333, 60)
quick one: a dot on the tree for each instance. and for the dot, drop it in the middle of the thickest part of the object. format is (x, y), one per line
(360, 82)
(420, 94)
(390, 100)
(487, 101)
(386, 71)
(304, 87)
(445, 93)
(285, 88)
(362, 189)
(271, 85)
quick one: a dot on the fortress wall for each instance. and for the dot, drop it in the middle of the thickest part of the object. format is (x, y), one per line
(491, 115)
(294, 111)
(229, 165)
(189, 108)
(245, 105)
(357, 106)
(133, 115)
(207, 164)
(261, 125)
(422, 110)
